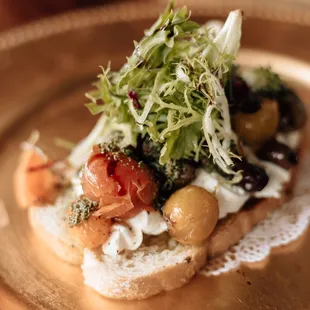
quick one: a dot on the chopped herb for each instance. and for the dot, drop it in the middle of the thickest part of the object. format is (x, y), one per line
(111, 147)
(80, 211)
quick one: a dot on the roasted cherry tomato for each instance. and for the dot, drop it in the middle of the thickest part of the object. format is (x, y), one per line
(191, 213)
(93, 232)
(120, 184)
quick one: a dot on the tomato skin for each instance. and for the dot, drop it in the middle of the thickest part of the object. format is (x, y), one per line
(120, 185)
(94, 232)
(96, 180)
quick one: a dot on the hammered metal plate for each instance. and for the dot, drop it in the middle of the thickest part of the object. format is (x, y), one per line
(45, 69)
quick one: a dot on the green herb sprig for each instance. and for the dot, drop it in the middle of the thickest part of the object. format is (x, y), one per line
(80, 211)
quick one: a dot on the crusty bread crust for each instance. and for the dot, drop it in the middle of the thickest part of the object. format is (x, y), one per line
(66, 251)
(234, 227)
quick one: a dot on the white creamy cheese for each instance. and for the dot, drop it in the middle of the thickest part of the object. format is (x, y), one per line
(206, 180)
(256, 81)
(122, 238)
(150, 223)
(291, 139)
(76, 184)
(230, 200)
(129, 236)
(277, 178)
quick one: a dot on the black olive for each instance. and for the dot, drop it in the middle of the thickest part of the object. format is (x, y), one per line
(278, 153)
(204, 161)
(185, 173)
(293, 113)
(269, 93)
(171, 176)
(251, 203)
(240, 96)
(239, 88)
(150, 149)
(161, 198)
(252, 105)
(254, 178)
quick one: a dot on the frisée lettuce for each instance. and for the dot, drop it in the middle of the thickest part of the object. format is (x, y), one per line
(172, 89)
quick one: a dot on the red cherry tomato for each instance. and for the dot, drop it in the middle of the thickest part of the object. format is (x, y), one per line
(120, 185)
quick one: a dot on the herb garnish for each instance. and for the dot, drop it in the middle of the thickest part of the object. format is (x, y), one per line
(80, 211)
(178, 72)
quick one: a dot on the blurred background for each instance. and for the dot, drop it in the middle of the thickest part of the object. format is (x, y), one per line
(17, 12)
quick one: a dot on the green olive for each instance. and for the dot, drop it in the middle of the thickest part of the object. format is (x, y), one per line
(192, 213)
(256, 128)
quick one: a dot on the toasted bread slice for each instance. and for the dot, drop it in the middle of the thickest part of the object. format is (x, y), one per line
(160, 264)
(152, 269)
(49, 224)
(156, 267)
(162, 267)
(234, 227)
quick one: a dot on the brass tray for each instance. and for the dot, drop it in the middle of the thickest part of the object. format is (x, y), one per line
(45, 68)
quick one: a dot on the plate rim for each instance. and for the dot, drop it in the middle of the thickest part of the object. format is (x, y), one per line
(127, 11)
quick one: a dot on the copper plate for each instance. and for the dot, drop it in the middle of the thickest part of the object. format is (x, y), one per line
(45, 69)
